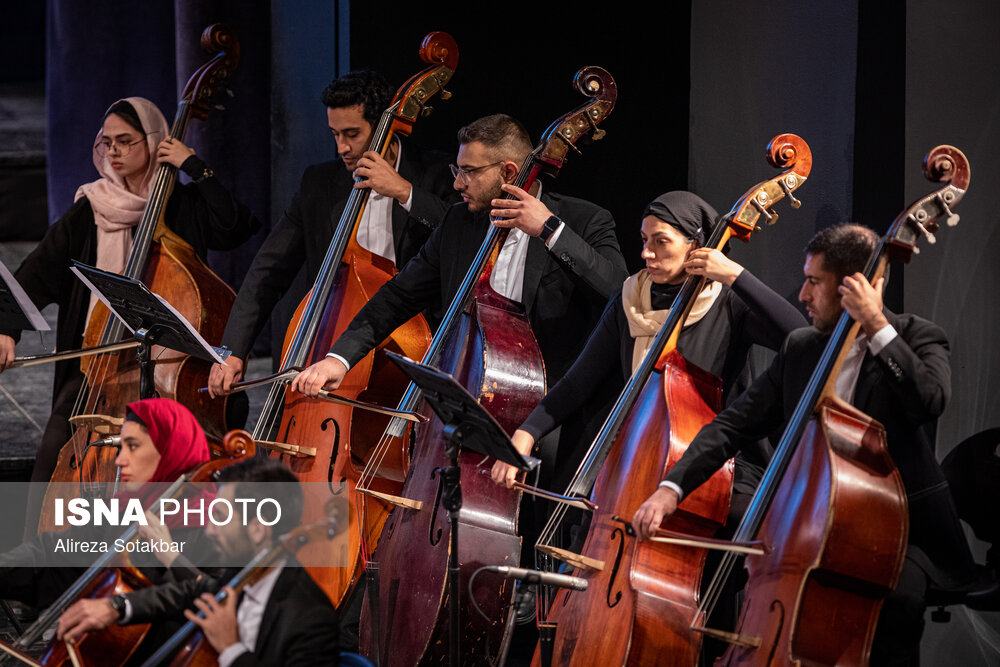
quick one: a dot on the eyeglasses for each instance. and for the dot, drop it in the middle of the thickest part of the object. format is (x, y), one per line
(102, 147)
(463, 173)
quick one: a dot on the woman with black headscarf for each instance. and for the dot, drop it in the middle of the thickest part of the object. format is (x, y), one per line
(733, 312)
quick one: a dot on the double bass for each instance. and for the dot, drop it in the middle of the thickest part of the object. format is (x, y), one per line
(831, 511)
(485, 341)
(170, 267)
(325, 442)
(642, 595)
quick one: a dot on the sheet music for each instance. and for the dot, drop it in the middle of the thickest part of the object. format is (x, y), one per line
(192, 332)
(35, 318)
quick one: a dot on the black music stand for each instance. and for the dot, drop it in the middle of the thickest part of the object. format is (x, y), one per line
(16, 309)
(150, 318)
(466, 425)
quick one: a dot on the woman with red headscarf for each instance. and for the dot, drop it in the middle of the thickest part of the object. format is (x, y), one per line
(161, 440)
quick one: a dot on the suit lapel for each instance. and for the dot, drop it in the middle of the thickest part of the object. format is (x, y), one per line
(284, 584)
(867, 377)
(535, 261)
(342, 180)
(399, 214)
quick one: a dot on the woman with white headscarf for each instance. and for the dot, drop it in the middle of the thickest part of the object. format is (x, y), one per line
(132, 143)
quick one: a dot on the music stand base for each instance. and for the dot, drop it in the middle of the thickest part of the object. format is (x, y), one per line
(451, 500)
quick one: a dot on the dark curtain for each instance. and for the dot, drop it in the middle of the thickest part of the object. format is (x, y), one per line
(952, 59)
(871, 87)
(525, 68)
(97, 54)
(758, 70)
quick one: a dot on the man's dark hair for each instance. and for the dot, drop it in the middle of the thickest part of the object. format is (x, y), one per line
(503, 135)
(365, 87)
(248, 474)
(845, 247)
(127, 113)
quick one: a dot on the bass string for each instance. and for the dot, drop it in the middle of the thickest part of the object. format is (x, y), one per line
(313, 311)
(485, 253)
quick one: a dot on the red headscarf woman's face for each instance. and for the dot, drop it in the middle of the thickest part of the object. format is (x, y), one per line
(138, 457)
(174, 435)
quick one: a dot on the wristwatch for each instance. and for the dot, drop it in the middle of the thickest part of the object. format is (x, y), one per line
(118, 604)
(549, 228)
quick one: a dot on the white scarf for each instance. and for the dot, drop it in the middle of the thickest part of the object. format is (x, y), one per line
(644, 322)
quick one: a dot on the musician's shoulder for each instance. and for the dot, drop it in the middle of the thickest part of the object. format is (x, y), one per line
(573, 205)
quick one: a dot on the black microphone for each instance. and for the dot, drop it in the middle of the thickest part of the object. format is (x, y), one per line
(539, 577)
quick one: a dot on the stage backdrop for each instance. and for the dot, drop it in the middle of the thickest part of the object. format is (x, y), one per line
(872, 87)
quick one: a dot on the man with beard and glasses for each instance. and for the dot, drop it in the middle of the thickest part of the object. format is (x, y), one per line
(561, 261)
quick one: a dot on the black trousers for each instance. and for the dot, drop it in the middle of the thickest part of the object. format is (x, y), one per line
(901, 621)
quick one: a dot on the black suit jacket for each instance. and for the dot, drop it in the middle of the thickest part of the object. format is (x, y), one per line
(905, 387)
(564, 289)
(304, 232)
(299, 626)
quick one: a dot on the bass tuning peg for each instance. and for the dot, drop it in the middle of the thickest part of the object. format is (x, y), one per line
(917, 222)
(952, 218)
(788, 193)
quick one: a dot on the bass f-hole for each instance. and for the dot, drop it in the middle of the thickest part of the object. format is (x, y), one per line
(435, 536)
(618, 534)
(336, 449)
(778, 606)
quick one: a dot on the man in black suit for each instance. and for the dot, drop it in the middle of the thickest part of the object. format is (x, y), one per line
(411, 190)
(283, 618)
(561, 260)
(898, 373)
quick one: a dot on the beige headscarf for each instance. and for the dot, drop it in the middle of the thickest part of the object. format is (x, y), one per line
(644, 322)
(116, 210)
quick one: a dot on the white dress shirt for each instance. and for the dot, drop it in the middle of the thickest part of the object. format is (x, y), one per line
(375, 226)
(508, 272)
(249, 615)
(847, 381)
